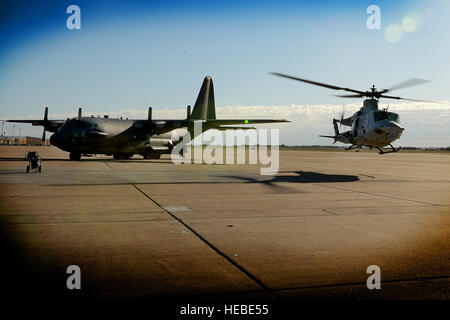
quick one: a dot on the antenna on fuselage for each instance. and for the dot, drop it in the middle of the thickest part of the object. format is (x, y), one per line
(79, 112)
(149, 114)
(188, 112)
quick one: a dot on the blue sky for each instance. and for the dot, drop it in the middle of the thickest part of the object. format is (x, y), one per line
(134, 54)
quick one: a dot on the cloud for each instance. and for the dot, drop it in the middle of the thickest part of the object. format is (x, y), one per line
(426, 124)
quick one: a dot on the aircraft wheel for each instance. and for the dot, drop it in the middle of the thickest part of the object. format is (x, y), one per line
(39, 169)
(28, 169)
(148, 153)
(75, 156)
(156, 155)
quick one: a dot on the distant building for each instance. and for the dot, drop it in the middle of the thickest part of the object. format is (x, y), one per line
(23, 141)
(33, 141)
(4, 140)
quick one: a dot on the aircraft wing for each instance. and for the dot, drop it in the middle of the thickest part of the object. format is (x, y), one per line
(50, 125)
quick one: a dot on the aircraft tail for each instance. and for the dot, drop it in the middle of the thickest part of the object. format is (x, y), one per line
(205, 108)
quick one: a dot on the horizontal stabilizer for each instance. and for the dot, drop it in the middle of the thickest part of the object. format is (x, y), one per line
(236, 128)
(333, 137)
(223, 122)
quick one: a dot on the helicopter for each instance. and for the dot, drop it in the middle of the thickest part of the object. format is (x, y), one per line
(370, 126)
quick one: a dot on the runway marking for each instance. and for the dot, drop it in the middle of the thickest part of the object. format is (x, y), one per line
(365, 175)
(382, 195)
(363, 283)
(329, 211)
(176, 208)
(209, 244)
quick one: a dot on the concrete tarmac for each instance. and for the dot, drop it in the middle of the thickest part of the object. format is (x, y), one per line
(154, 230)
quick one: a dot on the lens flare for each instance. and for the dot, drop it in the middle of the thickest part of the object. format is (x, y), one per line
(393, 33)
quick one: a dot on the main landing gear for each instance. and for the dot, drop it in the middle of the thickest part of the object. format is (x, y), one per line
(390, 151)
(75, 156)
(149, 153)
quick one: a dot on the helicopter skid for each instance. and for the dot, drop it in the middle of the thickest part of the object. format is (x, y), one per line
(390, 151)
(351, 147)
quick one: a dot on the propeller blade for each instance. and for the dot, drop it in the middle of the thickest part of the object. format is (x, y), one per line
(320, 84)
(416, 100)
(405, 84)
(45, 122)
(46, 115)
(188, 111)
(149, 115)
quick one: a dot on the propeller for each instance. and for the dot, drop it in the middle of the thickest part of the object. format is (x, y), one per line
(372, 93)
(188, 111)
(45, 123)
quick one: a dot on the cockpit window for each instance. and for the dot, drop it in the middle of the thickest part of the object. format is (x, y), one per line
(384, 115)
(77, 124)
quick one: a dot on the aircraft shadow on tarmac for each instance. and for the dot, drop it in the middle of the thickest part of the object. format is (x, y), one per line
(304, 177)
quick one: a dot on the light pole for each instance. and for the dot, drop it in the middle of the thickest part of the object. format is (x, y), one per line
(14, 127)
(3, 124)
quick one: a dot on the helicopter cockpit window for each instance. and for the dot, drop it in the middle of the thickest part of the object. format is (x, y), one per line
(383, 115)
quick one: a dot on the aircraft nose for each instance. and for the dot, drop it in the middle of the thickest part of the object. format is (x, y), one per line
(391, 128)
(55, 139)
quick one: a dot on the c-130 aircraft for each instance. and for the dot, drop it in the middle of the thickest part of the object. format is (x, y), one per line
(123, 138)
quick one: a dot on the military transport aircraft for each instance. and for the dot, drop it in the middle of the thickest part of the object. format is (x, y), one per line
(123, 138)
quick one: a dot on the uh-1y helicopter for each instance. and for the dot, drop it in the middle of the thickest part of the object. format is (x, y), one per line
(370, 126)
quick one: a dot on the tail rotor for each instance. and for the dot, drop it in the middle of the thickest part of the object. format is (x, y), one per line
(342, 117)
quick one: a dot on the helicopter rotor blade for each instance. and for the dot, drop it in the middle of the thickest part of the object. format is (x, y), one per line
(405, 84)
(348, 95)
(320, 84)
(416, 100)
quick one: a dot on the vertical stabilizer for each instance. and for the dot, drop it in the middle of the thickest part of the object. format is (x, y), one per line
(204, 108)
